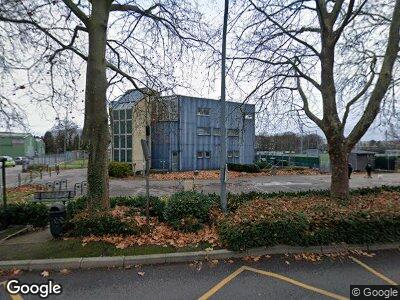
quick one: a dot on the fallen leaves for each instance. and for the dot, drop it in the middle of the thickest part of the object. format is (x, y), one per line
(45, 274)
(161, 235)
(65, 272)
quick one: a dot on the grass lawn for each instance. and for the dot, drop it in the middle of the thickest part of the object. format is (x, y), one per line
(76, 164)
(10, 230)
(74, 248)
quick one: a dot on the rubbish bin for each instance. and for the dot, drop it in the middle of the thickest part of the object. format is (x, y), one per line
(57, 215)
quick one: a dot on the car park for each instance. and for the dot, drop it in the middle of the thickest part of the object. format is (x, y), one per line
(20, 160)
(9, 161)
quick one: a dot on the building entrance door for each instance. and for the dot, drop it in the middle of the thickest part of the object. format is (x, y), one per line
(175, 161)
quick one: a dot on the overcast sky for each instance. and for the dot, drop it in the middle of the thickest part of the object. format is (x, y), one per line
(41, 117)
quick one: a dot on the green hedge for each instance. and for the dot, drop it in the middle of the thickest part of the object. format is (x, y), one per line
(250, 168)
(313, 220)
(26, 213)
(100, 223)
(138, 203)
(119, 169)
(236, 200)
(188, 211)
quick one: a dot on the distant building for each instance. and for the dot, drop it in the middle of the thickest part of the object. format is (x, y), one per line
(360, 158)
(20, 144)
(184, 132)
(392, 152)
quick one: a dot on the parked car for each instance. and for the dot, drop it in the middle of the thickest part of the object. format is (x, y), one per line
(9, 161)
(20, 160)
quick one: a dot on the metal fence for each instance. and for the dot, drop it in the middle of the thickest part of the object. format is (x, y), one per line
(53, 159)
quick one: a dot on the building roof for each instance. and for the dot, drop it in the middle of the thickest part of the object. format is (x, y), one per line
(14, 134)
(362, 152)
(127, 100)
(131, 97)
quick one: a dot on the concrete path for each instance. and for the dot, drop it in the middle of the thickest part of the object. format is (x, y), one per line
(243, 184)
(276, 277)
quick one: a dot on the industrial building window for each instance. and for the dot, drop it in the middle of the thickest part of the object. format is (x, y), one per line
(129, 114)
(236, 153)
(230, 153)
(199, 154)
(116, 155)
(216, 131)
(122, 141)
(207, 154)
(129, 126)
(116, 127)
(116, 141)
(115, 115)
(203, 131)
(129, 155)
(128, 141)
(203, 111)
(122, 127)
(248, 116)
(233, 132)
(122, 114)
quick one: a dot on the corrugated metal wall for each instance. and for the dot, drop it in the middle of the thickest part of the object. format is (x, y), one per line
(183, 137)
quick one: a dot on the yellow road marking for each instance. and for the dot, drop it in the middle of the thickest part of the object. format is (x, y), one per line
(298, 283)
(227, 279)
(13, 297)
(221, 284)
(373, 271)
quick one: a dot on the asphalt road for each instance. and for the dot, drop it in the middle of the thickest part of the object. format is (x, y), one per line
(119, 187)
(277, 277)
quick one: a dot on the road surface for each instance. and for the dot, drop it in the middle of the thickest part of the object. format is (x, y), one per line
(277, 277)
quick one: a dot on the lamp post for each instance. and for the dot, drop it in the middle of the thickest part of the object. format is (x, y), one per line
(3, 177)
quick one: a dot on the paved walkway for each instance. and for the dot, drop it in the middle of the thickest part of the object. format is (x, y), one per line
(243, 184)
(276, 277)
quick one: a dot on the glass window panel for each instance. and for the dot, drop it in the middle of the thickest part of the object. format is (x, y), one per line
(203, 131)
(115, 114)
(207, 154)
(116, 155)
(199, 154)
(116, 141)
(129, 114)
(122, 114)
(203, 111)
(129, 155)
(122, 127)
(122, 141)
(122, 155)
(116, 127)
(129, 141)
(128, 126)
(216, 131)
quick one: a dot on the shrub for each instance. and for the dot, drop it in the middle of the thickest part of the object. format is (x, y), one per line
(263, 165)
(370, 217)
(36, 167)
(188, 211)
(119, 169)
(26, 213)
(138, 203)
(75, 206)
(100, 223)
(250, 168)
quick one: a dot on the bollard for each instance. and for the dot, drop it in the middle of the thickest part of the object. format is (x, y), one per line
(19, 179)
(40, 173)
(30, 176)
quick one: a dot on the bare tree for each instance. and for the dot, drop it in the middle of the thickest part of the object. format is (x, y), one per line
(119, 43)
(331, 61)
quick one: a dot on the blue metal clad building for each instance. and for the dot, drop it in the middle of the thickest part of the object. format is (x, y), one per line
(184, 132)
(190, 139)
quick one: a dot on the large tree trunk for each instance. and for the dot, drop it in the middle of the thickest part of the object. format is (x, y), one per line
(96, 116)
(338, 155)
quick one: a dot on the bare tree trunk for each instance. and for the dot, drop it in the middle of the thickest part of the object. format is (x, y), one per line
(338, 155)
(96, 116)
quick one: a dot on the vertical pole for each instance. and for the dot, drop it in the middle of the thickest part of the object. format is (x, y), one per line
(147, 178)
(223, 112)
(3, 177)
